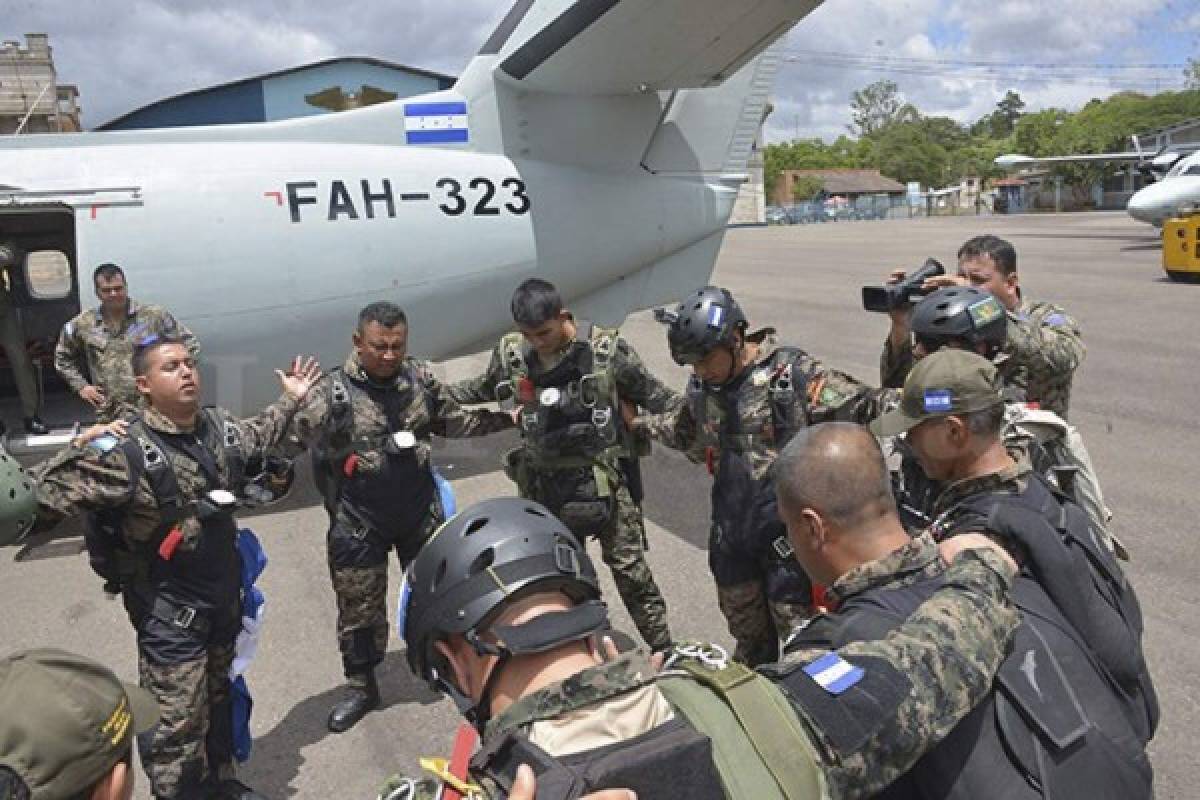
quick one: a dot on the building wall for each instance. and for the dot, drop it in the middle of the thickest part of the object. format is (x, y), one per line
(223, 105)
(276, 97)
(28, 82)
(284, 95)
(751, 205)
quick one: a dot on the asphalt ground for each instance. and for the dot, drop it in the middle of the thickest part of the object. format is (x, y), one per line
(1135, 401)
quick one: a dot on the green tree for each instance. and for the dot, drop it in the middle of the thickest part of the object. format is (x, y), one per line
(1008, 111)
(877, 106)
(806, 188)
(904, 152)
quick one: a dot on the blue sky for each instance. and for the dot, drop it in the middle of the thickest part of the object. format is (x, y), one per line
(126, 53)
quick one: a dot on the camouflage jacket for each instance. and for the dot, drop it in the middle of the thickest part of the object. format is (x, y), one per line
(949, 650)
(915, 561)
(635, 383)
(1043, 349)
(827, 395)
(89, 352)
(1011, 479)
(426, 407)
(96, 477)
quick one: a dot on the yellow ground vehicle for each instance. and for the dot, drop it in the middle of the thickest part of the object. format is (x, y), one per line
(1181, 247)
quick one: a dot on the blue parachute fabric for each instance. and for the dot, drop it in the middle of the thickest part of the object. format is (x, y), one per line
(254, 561)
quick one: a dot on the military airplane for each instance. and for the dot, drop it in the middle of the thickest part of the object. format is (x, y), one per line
(597, 143)
(1174, 172)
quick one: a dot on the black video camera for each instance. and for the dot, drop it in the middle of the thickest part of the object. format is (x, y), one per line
(901, 294)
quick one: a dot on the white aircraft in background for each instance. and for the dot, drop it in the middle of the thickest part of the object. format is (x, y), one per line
(1177, 191)
(1174, 172)
(598, 144)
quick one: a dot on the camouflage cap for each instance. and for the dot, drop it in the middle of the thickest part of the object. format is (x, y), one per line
(947, 382)
(65, 720)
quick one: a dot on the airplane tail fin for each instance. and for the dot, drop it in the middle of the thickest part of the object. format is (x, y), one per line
(668, 86)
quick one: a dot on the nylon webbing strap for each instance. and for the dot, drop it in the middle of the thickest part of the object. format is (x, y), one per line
(747, 695)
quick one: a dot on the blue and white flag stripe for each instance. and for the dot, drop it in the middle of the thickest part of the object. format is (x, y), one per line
(833, 674)
(436, 123)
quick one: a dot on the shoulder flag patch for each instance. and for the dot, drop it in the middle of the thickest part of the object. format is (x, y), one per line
(834, 674)
(1056, 319)
(938, 400)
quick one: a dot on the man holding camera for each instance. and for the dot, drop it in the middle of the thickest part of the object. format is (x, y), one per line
(1043, 344)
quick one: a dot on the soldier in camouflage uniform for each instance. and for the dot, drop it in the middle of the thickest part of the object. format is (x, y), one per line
(747, 397)
(952, 414)
(370, 424)
(95, 349)
(817, 724)
(572, 381)
(835, 498)
(1043, 346)
(162, 533)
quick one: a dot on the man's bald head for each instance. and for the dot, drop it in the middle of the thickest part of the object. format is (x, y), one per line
(838, 470)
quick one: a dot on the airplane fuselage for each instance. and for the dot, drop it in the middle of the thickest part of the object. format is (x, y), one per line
(266, 251)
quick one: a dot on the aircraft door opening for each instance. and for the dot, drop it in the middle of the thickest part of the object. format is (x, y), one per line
(40, 288)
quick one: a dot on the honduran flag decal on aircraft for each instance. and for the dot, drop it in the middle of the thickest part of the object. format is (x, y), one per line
(436, 123)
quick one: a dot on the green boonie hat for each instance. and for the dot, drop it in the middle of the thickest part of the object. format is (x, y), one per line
(947, 382)
(65, 720)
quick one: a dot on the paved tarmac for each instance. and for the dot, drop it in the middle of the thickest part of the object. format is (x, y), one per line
(1135, 401)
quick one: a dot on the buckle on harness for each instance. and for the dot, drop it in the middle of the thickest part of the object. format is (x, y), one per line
(184, 617)
(505, 391)
(338, 394)
(589, 390)
(783, 548)
(712, 656)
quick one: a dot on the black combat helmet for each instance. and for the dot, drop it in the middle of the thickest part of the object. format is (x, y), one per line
(702, 322)
(484, 556)
(960, 313)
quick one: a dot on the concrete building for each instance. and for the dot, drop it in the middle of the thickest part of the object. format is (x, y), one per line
(322, 87)
(848, 183)
(31, 98)
(1186, 132)
(751, 206)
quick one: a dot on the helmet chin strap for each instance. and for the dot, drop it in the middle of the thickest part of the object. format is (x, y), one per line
(541, 634)
(735, 366)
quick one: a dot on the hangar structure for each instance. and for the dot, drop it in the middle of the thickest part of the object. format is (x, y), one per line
(323, 87)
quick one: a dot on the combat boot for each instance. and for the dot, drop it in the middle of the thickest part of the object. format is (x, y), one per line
(359, 700)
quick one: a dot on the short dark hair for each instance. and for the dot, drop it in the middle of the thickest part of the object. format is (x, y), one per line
(536, 301)
(1001, 251)
(107, 270)
(838, 469)
(143, 349)
(988, 422)
(389, 315)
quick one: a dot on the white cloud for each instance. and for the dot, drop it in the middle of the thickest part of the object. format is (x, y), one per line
(126, 53)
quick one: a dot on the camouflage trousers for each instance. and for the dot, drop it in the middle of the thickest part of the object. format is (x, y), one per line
(187, 672)
(757, 623)
(623, 549)
(358, 568)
